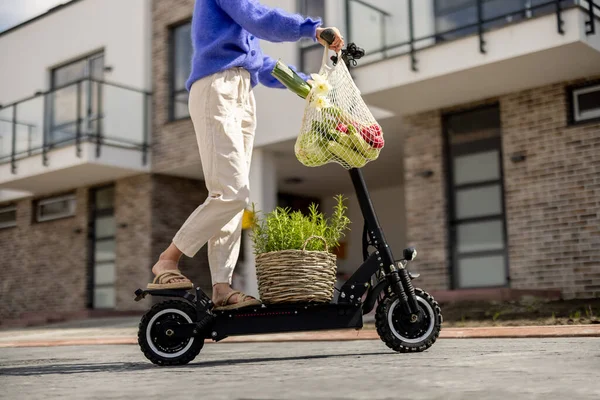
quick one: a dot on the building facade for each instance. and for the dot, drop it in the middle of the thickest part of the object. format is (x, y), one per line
(74, 160)
(491, 166)
(501, 133)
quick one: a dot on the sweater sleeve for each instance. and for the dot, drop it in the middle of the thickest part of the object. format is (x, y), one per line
(270, 24)
(265, 77)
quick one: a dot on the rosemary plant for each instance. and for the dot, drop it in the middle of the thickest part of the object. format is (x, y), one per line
(284, 229)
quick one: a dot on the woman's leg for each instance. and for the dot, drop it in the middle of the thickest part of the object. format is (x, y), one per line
(224, 248)
(217, 112)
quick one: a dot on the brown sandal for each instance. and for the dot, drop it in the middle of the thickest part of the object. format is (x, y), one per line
(243, 301)
(161, 281)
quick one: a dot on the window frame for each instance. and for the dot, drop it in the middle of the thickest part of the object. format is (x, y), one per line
(171, 65)
(56, 199)
(527, 11)
(7, 209)
(450, 151)
(576, 114)
(94, 212)
(306, 46)
(89, 114)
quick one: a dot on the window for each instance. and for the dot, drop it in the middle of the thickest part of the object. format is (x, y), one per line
(586, 103)
(65, 98)
(181, 55)
(55, 208)
(457, 15)
(453, 14)
(477, 230)
(103, 245)
(8, 217)
(311, 53)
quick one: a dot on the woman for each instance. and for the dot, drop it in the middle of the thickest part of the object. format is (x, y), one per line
(227, 63)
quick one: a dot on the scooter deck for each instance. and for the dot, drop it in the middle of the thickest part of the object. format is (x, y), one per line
(262, 319)
(293, 317)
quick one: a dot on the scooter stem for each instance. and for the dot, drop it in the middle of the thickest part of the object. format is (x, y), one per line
(398, 278)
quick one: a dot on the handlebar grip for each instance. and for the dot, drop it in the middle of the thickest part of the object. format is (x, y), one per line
(328, 35)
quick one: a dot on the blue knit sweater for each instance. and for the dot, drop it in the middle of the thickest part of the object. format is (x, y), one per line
(225, 34)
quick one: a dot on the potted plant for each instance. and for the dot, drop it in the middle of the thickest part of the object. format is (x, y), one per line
(294, 259)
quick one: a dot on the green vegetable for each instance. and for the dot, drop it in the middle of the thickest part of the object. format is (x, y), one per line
(362, 146)
(325, 129)
(346, 154)
(339, 115)
(310, 149)
(283, 229)
(355, 142)
(371, 154)
(346, 140)
(322, 126)
(290, 79)
(352, 129)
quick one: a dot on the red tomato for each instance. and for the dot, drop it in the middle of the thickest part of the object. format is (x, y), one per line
(373, 136)
(341, 127)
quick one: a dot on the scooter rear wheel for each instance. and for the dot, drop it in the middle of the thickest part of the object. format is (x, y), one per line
(158, 338)
(401, 335)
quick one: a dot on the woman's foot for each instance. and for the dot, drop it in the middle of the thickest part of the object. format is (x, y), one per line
(163, 266)
(226, 298)
(166, 271)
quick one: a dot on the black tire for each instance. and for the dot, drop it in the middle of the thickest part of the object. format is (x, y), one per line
(156, 346)
(401, 336)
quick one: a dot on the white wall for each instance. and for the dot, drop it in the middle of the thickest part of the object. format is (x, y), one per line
(263, 193)
(390, 208)
(509, 42)
(279, 112)
(122, 29)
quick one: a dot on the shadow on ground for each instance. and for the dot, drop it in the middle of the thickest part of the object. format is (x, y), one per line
(66, 369)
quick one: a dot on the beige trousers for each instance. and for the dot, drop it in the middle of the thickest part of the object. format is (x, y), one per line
(223, 112)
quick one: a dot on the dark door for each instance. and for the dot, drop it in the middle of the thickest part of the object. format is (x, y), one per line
(102, 243)
(477, 229)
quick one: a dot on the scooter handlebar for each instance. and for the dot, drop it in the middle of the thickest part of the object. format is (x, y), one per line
(328, 35)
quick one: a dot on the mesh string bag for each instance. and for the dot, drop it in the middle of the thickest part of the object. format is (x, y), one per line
(337, 125)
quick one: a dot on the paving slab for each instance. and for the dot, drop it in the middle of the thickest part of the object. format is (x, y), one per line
(75, 336)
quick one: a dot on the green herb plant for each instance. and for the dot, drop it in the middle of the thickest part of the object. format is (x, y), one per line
(284, 229)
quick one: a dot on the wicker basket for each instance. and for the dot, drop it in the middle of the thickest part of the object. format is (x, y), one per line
(289, 276)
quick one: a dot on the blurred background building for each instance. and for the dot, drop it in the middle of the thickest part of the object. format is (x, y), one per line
(490, 109)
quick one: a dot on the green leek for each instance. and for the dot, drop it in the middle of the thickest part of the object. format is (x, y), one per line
(290, 79)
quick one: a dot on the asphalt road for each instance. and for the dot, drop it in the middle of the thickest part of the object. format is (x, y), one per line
(507, 369)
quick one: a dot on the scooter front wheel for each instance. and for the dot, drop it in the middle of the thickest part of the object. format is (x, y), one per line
(399, 333)
(158, 337)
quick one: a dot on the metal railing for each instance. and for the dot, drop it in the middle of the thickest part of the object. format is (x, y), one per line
(87, 110)
(409, 26)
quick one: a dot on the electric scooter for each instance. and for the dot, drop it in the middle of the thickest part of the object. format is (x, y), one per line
(407, 319)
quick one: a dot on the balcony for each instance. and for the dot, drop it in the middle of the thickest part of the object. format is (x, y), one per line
(469, 49)
(80, 134)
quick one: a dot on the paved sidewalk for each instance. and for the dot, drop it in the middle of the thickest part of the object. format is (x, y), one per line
(124, 331)
(482, 369)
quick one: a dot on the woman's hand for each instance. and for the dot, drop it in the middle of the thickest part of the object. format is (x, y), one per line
(338, 42)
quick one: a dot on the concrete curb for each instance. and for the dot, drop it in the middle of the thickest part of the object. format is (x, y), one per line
(365, 334)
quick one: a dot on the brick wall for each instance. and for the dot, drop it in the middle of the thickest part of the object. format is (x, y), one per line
(43, 268)
(552, 198)
(174, 146)
(173, 143)
(425, 198)
(173, 201)
(134, 246)
(149, 211)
